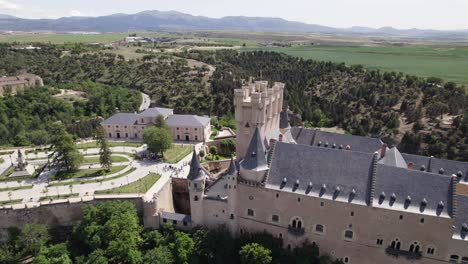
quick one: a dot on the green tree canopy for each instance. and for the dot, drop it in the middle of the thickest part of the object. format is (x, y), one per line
(254, 253)
(66, 155)
(157, 139)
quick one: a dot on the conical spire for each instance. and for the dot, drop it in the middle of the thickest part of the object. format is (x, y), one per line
(255, 156)
(232, 170)
(196, 172)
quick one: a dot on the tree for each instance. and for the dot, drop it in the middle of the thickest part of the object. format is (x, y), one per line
(160, 122)
(66, 155)
(157, 139)
(182, 247)
(159, 255)
(213, 150)
(32, 238)
(254, 253)
(55, 254)
(104, 150)
(201, 153)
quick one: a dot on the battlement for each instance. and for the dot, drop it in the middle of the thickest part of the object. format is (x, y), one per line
(257, 104)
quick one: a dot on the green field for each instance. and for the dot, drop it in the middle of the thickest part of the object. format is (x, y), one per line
(140, 186)
(11, 202)
(176, 153)
(92, 181)
(449, 63)
(95, 160)
(16, 188)
(63, 38)
(111, 144)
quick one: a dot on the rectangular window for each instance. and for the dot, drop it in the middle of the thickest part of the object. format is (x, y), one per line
(196, 129)
(250, 212)
(379, 242)
(275, 218)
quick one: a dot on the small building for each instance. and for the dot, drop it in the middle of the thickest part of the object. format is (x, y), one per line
(18, 83)
(182, 127)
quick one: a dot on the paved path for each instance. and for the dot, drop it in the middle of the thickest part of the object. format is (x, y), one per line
(142, 168)
(145, 102)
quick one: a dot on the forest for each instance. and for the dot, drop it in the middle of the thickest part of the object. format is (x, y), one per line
(425, 116)
(111, 232)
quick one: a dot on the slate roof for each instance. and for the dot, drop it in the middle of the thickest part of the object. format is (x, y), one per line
(313, 137)
(393, 158)
(284, 119)
(255, 158)
(433, 165)
(156, 111)
(462, 217)
(196, 172)
(415, 185)
(121, 119)
(232, 170)
(344, 174)
(187, 121)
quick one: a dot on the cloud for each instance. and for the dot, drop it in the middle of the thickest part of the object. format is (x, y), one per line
(8, 5)
(74, 13)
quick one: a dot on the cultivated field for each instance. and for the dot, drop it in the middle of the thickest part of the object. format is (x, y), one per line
(62, 38)
(449, 63)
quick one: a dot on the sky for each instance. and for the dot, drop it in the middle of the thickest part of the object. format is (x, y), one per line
(403, 14)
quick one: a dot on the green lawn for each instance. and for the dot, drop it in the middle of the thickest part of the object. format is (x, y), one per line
(92, 181)
(11, 202)
(449, 63)
(6, 152)
(95, 160)
(176, 153)
(7, 173)
(87, 173)
(140, 186)
(16, 188)
(56, 197)
(111, 144)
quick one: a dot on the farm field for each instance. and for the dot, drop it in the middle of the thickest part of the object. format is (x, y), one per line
(62, 38)
(449, 63)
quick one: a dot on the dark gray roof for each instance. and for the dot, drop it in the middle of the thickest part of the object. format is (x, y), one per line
(256, 154)
(462, 217)
(156, 111)
(393, 158)
(415, 185)
(345, 174)
(284, 119)
(187, 121)
(232, 170)
(434, 165)
(121, 119)
(314, 137)
(196, 172)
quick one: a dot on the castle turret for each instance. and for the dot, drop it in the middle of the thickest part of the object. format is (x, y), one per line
(254, 165)
(196, 186)
(231, 175)
(257, 106)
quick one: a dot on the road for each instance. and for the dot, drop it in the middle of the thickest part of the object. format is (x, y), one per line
(145, 103)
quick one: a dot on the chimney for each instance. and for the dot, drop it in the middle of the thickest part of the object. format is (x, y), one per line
(410, 166)
(383, 150)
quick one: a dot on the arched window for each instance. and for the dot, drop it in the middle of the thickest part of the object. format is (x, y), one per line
(250, 212)
(430, 250)
(454, 258)
(346, 260)
(396, 244)
(319, 228)
(195, 198)
(349, 235)
(296, 223)
(414, 247)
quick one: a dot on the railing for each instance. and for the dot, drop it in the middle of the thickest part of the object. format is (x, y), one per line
(398, 252)
(296, 231)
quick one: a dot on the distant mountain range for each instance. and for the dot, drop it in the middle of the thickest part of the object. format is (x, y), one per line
(176, 21)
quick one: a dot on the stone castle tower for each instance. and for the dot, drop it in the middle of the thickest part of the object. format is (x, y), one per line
(196, 185)
(256, 105)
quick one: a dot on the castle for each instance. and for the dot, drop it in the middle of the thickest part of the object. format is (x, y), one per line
(359, 200)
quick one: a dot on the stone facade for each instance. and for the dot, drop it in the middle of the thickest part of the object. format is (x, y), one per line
(19, 83)
(182, 127)
(359, 200)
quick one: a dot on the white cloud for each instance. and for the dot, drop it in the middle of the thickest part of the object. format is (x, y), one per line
(74, 13)
(8, 5)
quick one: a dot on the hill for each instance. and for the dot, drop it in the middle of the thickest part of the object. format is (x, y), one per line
(172, 20)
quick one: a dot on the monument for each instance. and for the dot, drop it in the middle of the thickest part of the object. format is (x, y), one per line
(22, 168)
